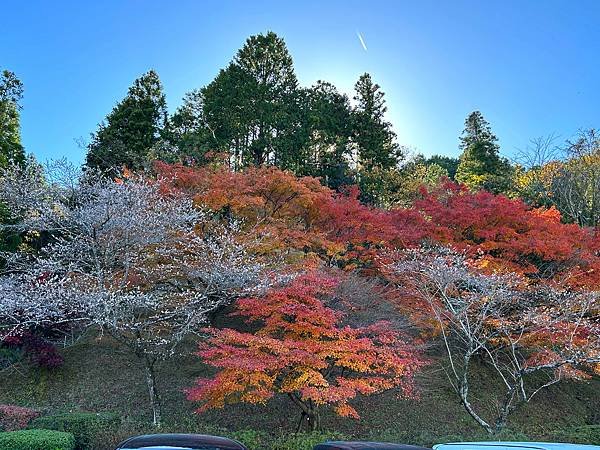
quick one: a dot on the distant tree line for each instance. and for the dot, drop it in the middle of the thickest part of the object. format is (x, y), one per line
(255, 113)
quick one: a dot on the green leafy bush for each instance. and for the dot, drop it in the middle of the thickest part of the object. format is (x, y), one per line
(83, 425)
(585, 434)
(250, 438)
(428, 438)
(303, 441)
(36, 440)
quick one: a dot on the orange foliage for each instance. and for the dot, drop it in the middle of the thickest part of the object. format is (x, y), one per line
(272, 203)
(289, 212)
(303, 351)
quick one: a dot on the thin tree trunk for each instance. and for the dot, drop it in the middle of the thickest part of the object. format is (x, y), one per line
(505, 410)
(314, 421)
(153, 391)
(313, 417)
(463, 392)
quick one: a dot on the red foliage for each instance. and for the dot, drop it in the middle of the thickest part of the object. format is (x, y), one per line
(298, 213)
(40, 352)
(508, 235)
(292, 213)
(272, 203)
(362, 231)
(14, 418)
(303, 351)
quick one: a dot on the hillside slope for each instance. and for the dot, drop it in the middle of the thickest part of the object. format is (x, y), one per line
(100, 376)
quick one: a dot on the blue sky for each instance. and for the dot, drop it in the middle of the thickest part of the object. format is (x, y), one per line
(530, 66)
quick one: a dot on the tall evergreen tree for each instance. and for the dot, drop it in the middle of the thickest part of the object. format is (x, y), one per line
(188, 130)
(11, 93)
(11, 149)
(253, 106)
(227, 114)
(372, 134)
(328, 127)
(131, 129)
(481, 166)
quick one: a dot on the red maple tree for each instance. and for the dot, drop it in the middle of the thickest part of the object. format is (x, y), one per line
(509, 236)
(303, 350)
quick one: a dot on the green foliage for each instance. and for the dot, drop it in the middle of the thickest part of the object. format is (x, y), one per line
(481, 166)
(255, 113)
(250, 438)
(251, 108)
(9, 240)
(448, 163)
(380, 187)
(327, 128)
(36, 440)
(189, 133)
(303, 441)
(586, 434)
(132, 128)
(398, 186)
(11, 93)
(82, 425)
(372, 134)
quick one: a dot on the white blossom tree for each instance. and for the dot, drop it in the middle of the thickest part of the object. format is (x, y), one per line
(499, 319)
(128, 257)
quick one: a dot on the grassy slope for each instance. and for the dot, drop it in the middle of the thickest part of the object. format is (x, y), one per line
(99, 376)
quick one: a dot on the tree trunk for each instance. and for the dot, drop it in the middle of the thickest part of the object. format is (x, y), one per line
(505, 410)
(463, 392)
(313, 420)
(310, 414)
(152, 391)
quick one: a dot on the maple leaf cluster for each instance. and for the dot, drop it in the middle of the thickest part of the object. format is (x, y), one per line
(507, 235)
(302, 350)
(297, 216)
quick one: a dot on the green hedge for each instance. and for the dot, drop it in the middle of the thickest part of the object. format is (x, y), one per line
(84, 426)
(36, 440)
(585, 434)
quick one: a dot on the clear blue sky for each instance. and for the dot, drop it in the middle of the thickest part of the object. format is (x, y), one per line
(532, 67)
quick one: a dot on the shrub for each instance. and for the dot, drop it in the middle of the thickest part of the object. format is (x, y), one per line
(39, 351)
(304, 441)
(83, 425)
(250, 438)
(585, 434)
(14, 418)
(36, 440)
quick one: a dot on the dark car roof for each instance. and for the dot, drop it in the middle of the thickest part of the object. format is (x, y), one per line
(339, 445)
(180, 440)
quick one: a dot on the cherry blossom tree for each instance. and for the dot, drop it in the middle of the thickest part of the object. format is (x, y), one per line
(516, 328)
(125, 256)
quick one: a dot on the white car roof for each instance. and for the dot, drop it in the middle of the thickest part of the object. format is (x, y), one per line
(516, 445)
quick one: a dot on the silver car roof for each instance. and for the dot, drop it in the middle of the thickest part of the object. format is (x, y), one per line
(531, 445)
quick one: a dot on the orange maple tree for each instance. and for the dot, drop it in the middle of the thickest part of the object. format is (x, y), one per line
(303, 350)
(298, 213)
(271, 203)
